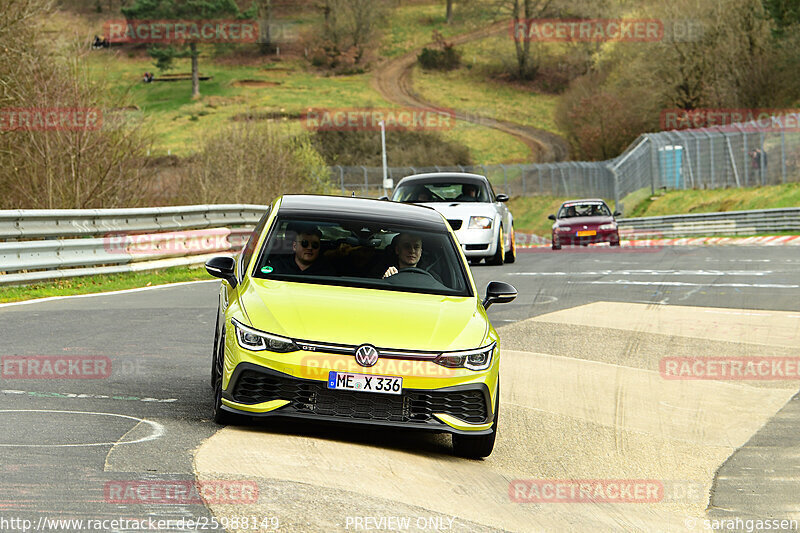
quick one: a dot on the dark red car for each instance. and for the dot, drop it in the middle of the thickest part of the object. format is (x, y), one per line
(584, 222)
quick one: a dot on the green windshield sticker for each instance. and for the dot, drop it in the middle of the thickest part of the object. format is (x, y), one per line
(266, 270)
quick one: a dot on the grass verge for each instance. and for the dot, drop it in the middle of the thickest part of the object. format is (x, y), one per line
(712, 200)
(102, 283)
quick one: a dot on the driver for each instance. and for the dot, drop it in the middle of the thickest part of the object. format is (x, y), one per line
(407, 249)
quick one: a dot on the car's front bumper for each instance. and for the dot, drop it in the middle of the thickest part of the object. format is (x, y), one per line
(434, 398)
(477, 242)
(568, 238)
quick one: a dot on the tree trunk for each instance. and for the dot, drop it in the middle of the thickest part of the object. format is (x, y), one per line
(449, 11)
(195, 72)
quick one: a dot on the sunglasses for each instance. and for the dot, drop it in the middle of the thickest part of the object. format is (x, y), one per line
(305, 244)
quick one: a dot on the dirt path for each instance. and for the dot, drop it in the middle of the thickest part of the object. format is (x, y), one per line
(393, 80)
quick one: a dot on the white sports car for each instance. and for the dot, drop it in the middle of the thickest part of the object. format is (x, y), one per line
(480, 218)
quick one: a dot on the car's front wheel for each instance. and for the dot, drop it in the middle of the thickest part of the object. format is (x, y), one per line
(221, 416)
(497, 258)
(556, 244)
(478, 446)
(511, 254)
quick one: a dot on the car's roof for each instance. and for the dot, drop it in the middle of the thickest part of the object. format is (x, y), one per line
(585, 201)
(450, 177)
(339, 207)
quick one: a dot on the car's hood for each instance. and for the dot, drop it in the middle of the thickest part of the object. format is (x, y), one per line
(463, 210)
(345, 315)
(584, 221)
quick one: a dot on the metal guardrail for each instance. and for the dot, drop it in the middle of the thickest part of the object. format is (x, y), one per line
(726, 223)
(44, 245)
(41, 223)
(51, 244)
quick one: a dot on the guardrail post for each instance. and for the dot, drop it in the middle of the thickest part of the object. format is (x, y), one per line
(341, 177)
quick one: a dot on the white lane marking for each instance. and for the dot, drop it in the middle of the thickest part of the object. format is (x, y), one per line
(650, 273)
(544, 300)
(711, 259)
(64, 395)
(157, 430)
(686, 284)
(123, 291)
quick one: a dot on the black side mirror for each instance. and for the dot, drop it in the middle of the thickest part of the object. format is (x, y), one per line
(502, 197)
(222, 267)
(617, 214)
(499, 292)
(552, 217)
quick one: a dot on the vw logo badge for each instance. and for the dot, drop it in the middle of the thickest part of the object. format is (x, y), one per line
(366, 355)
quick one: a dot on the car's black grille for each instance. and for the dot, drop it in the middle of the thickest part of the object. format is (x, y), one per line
(473, 247)
(455, 224)
(315, 398)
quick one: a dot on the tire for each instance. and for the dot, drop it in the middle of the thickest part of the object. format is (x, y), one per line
(615, 242)
(556, 244)
(511, 255)
(497, 258)
(221, 416)
(214, 352)
(478, 446)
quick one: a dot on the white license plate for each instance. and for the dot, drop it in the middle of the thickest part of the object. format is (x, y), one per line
(365, 383)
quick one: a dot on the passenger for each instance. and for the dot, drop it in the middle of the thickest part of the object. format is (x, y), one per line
(306, 258)
(469, 193)
(407, 249)
(424, 195)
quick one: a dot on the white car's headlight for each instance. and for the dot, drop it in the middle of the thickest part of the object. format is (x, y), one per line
(608, 226)
(480, 223)
(252, 339)
(478, 359)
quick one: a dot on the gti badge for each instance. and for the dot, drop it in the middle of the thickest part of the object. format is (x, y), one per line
(366, 355)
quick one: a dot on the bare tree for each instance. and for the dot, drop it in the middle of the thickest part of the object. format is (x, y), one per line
(63, 167)
(520, 12)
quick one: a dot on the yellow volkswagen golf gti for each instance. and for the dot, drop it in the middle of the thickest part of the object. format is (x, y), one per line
(359, 311)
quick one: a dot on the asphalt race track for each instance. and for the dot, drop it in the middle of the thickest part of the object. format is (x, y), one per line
(585, 399)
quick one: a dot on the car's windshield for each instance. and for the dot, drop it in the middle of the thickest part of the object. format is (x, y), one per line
(359, 253)
(584, 210)
(441, 192)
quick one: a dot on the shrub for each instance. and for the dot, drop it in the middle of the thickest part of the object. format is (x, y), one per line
(251, 162)
(403, 148)
(443, 57)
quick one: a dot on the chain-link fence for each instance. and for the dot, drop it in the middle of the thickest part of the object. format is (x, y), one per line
(739, 155)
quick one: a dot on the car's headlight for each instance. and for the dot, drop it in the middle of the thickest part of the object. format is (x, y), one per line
(252, 339)
(479, 359)
(480, 223)
(608, 226)
(564, 228)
